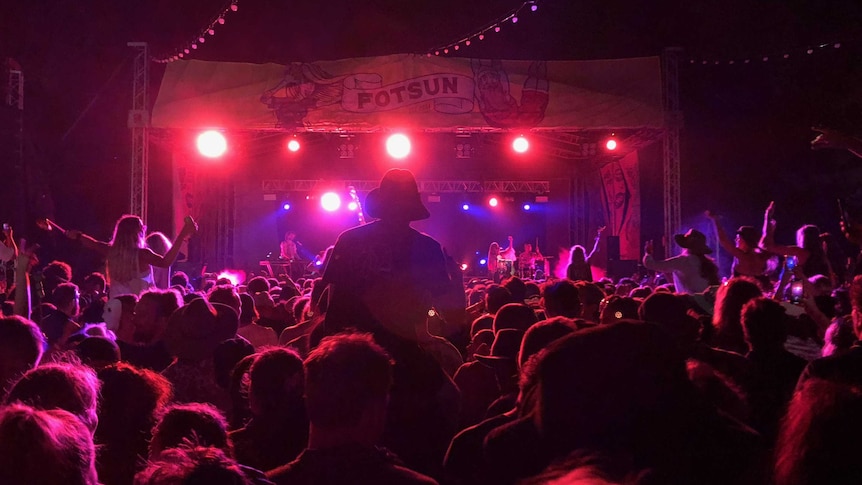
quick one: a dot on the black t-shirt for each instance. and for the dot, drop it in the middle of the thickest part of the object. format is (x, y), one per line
(383, 273)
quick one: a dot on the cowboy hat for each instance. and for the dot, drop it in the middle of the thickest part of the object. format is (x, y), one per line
(504, 351)
(196, 329)
(694, 241)
(396, 198)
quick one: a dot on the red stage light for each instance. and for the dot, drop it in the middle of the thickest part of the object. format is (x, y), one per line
(520, 144)
(293, 145)
(611, 144)
(211, 144)
(493, 202)
(398, 145)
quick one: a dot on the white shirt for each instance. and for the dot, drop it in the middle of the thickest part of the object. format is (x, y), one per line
(685, 269)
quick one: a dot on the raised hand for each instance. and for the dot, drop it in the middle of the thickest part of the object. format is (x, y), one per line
(648, 247)
(189, 225)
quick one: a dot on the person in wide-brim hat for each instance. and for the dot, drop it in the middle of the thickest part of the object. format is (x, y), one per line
(195, 330)
(694, 241)
(397, 197)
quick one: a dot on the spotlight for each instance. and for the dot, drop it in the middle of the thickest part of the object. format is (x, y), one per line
(352, 206)
(493, 202)
(293, 145)
(286, 206)
(520, 144)
(527, 207)
(611, 144)
(465, 207)
(398, 145)
(330, 201)
(483, 261)
(211, 144)
(463, 266)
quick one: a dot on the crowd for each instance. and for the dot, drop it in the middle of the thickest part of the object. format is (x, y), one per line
(392, 368)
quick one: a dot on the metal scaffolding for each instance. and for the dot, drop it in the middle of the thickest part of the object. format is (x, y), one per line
(673, 123)
(425, 186)
(139, 124)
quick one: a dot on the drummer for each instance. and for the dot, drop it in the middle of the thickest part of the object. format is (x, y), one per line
(527, 260)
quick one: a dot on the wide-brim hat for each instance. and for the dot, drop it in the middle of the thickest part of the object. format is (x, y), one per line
(749, 234)
(397, 197)
(694, 241)
(195, 330)
(504, 351)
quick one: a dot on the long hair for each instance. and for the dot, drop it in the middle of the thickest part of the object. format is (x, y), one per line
(818, 442)
(578, 252)
(123, 254)
(708, 269)
(727, 318)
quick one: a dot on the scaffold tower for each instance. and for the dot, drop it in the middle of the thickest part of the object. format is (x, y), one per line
(673, 122)
(139, 124)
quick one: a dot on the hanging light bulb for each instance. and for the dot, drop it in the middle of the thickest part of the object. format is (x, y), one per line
(481, 36)
(202, 39)
(221, 20)
(211, 31)
(497, 28)
(467, 43)
(514, 20)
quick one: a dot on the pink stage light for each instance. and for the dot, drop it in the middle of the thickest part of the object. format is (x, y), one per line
(611, 144)
(493, 202)
(293, 145)
(330, 201)
(211, 144)
(352, 206)
(234, 275)
(398, 145)
(520, 144)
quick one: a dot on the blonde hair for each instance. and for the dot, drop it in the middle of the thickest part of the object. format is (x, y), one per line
(122, 260)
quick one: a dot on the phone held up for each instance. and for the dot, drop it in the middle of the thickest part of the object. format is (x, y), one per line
(796, 292)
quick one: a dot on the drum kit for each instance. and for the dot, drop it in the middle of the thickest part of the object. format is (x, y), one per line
(537, 271)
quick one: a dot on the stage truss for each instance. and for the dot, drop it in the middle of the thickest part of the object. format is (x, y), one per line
(425, 186)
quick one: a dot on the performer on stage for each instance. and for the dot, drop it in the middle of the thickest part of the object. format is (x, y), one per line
(508, 254)
(501, 262)
(288, 247)
(579, 268)
(527, 260)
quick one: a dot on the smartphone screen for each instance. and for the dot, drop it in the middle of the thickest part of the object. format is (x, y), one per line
(796, 292)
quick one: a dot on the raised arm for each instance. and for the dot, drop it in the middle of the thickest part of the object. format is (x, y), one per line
(767, 241)
(23, 262)
(829, 138)
(596, 244)
(665, 266)
(87, 241)
(153, 259)
(723, 238)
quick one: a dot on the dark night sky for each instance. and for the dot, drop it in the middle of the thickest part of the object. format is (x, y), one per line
(746, 132)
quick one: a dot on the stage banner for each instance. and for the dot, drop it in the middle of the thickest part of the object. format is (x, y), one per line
(411, 92)
(622, 204)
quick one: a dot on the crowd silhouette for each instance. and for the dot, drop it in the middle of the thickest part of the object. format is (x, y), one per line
(394, 368)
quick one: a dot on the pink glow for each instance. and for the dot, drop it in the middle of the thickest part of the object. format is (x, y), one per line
(234, 275)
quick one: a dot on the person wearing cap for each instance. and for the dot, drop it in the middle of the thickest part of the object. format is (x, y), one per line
(693, 271)
(748, 259)
(385, 274)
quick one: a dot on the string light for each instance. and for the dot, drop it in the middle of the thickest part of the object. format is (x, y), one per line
(495, 25)
(193, 44)
(783, 54)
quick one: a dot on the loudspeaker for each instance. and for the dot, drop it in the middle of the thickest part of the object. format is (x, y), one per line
(622, 268)
(613, 248)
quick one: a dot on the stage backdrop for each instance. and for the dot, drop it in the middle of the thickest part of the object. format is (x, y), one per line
(412, 92)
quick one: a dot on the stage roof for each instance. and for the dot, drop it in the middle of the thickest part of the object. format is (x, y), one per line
(414, 93)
